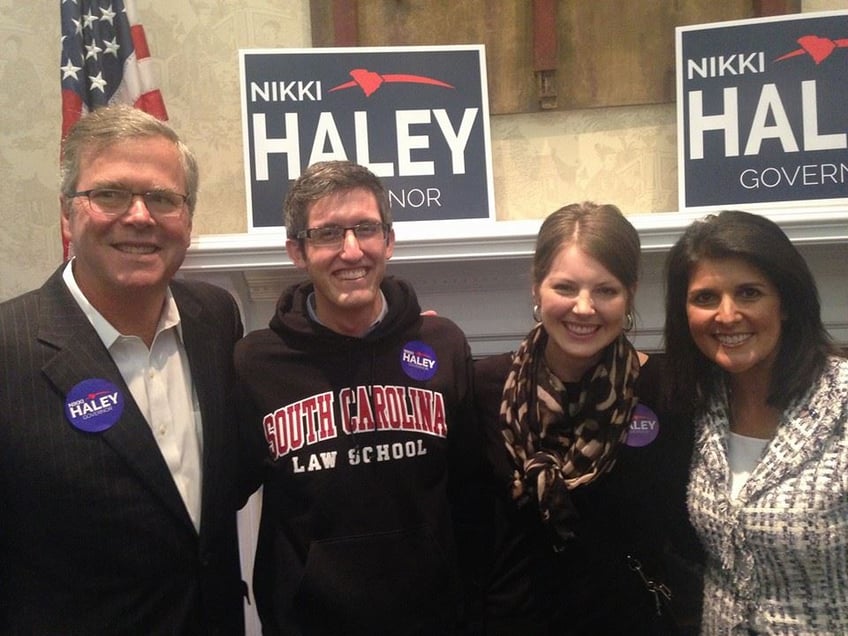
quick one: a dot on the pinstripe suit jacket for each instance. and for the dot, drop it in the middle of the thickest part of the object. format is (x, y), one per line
(94, 536)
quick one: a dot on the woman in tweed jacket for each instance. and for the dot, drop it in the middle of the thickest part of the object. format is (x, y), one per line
(768, 489)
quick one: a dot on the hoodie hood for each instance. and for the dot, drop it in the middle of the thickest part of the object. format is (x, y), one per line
(292, 323)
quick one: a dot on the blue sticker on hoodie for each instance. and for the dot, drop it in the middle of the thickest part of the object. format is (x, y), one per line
(418, 360)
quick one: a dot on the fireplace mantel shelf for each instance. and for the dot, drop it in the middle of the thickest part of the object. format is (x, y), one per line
(487, 241)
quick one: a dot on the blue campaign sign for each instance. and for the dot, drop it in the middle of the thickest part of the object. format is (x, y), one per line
(761, 111)
(418, 117)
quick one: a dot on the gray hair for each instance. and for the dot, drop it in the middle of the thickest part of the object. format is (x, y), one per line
(106, 126)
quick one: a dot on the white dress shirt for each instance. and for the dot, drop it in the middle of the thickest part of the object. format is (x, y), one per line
(160, 382)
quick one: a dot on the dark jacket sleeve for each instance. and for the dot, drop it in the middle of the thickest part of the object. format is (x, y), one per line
(253, 457)
(467, 480)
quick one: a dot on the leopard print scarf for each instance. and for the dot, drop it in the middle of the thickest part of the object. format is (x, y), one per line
(558, 444)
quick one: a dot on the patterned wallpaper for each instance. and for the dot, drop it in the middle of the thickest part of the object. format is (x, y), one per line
(541, 161)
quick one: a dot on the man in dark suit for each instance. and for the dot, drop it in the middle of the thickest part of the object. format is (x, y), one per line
(117, 502)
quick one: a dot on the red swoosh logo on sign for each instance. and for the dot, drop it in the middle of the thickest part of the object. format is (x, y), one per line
(369, 81)
(816, 47)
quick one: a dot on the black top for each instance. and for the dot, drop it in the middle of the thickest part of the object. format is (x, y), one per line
(631, 517)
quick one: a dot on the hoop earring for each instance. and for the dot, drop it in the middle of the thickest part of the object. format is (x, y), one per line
(537, 314)
(628, 321)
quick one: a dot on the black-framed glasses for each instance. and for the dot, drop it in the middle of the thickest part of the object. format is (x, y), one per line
(116, 201)
(332, 235)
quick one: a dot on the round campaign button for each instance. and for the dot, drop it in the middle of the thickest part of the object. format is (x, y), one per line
(418, 360)
(94, 405)
(644, 427)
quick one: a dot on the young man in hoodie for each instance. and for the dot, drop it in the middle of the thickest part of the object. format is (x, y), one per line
(357, 421)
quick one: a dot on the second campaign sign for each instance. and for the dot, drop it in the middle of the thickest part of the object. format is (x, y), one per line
(416, 116)
(763, 111)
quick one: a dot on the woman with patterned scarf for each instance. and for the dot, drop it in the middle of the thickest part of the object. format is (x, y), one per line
(588, 480)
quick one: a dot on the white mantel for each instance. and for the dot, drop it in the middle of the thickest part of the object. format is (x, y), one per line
(478, 273)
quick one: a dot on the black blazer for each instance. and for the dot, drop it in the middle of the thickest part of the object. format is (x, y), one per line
(94, 536)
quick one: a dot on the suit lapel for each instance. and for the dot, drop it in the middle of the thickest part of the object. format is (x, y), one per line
(199, 338)
(81, 356)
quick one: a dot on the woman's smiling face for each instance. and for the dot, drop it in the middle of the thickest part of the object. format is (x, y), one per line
(582, 307)
(735, 315)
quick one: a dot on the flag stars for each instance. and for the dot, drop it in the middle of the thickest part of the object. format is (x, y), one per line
(97, 55)
(97, 82)
(112, 47)
(69, 70)
(92, 50)
(89, 19)
(107, 15)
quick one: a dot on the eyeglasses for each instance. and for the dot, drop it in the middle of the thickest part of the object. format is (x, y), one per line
(116, 201)
(332, 235)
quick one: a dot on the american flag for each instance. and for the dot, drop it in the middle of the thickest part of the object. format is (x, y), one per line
(105, 60)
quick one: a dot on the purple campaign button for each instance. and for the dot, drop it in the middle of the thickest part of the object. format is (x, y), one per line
(644, 427)
(94, 405)
(418, 360)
